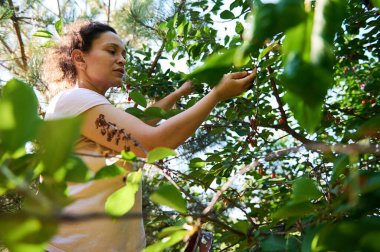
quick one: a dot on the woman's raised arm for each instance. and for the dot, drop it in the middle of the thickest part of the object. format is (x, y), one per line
(115, 129)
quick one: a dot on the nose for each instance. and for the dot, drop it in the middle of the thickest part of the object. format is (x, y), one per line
(121, 60)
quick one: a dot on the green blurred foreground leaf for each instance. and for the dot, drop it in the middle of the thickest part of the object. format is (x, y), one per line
(19, 119)
(212, 71)
(159, 154)
(121, 201)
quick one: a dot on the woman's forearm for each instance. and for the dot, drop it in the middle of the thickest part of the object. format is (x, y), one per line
(166, 103)
(177, 129)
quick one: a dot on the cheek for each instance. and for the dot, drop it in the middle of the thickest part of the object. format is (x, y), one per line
(101, 65)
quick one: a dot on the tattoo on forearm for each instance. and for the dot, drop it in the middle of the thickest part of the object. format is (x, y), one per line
(111, 131)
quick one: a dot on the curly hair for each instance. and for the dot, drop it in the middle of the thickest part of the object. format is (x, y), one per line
(58, 70)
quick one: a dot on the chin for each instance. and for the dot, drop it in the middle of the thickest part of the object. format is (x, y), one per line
(117, 82)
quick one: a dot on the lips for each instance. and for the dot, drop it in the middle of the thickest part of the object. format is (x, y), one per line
(120, 70)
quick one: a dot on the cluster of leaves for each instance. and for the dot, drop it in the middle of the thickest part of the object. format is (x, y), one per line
(307, 143)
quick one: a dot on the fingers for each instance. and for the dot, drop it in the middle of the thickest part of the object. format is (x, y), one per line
(249, 78)
(238, 75)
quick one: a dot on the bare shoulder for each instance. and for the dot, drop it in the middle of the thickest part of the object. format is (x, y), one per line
(116, 129)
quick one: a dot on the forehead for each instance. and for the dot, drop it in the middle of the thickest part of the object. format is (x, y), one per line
(107, 38)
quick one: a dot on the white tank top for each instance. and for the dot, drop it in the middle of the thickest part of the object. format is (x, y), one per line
(103, 234)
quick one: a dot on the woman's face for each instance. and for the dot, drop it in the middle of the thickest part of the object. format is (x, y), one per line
(105, 61)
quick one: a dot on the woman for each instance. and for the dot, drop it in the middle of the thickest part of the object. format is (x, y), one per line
(86, 63)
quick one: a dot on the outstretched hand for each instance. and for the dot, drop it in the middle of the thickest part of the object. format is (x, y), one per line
(234, 84)
(186, 89)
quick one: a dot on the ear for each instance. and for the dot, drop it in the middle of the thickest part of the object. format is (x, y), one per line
(77, 57)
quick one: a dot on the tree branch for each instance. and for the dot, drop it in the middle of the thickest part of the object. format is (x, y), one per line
(285, 126)
(9, 49)
(155, 61)
(19, 37)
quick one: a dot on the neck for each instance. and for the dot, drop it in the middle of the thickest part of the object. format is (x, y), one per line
(90, 85)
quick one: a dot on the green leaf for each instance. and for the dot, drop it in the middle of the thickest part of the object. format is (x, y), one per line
(166, 242)
(239, 28)
(370, 127)
(376, 3)
(59, 27)
(274, 243)
(19, 120)
(304, 189)
(109, 172)
(121, 201)
(154, 112)
(307, 116)
(267, 50)
(197, 163)
(135, 112)
(354, 235)
(76, 170)
(271, 19)
(340, 166)
(5, 13)
(226, 14)
(214, 67)
(138, 98)
(128, 156)
(43, 34)
(22, 233)
(57, 139)
(168, 195)
(293, 210)
(159, 153)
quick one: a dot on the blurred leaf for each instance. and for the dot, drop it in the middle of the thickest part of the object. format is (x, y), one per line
(267, 50)
(340, 166)
(76, 170)
(168, 195)
(43, 34)
(271, 19)
(128, 156)
(19, 119)
(121, 201)
(59, 27)
(197, 163)
(138, 98)
(239, 28)
(109, 171)
(214, 67)
(226, 14)
(304, 189)
(159, 154)
(21, 233)
(308, 117)
(354, 235)
(293, 210)
(62, 131)
(167, 242)
(369, 128)
(274, 243)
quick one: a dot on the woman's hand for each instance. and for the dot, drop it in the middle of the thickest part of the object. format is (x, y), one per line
(186, 89)
(234, 84)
